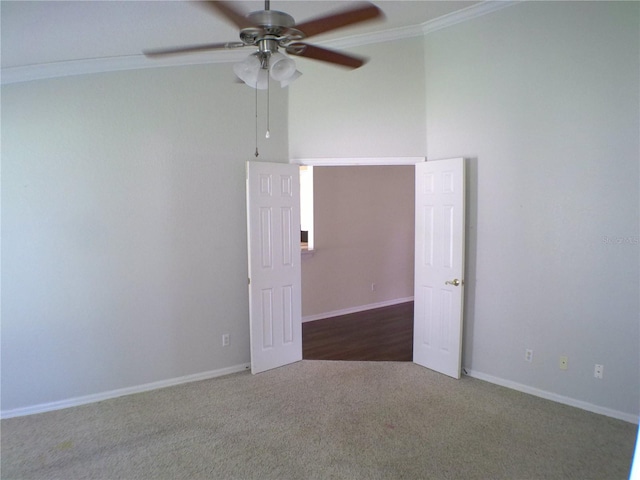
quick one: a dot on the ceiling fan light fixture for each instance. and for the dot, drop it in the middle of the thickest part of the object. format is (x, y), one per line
(247, 70)
(281, 67)
(256, 68)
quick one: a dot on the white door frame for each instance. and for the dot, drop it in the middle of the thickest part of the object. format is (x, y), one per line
(362, 161)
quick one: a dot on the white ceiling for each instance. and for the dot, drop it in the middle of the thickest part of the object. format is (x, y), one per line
(45, 32)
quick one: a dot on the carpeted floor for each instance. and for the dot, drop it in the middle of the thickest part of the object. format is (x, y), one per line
(321, 420)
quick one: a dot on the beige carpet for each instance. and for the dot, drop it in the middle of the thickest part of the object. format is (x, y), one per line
(321, 420)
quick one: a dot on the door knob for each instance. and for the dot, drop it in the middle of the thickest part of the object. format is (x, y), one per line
(455, 282)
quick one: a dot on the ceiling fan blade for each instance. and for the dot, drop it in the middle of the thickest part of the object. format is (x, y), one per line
(361, 13)
(325, 55)
(193, 48)
(230, 12)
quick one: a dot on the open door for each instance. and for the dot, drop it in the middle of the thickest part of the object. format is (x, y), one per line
(275, 310)
(439, 265)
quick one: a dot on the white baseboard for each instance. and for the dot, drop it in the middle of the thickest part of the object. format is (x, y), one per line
(572, 402)
(361, 308)
(98, 397)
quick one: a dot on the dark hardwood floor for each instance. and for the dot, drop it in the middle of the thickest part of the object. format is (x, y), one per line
(382, 334)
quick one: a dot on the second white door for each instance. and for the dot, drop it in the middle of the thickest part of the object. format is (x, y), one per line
(439, 265)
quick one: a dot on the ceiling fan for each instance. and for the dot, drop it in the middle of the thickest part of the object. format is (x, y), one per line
(270, 30)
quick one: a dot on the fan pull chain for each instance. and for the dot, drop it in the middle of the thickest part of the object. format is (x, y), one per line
(268, 134)
(257, 121)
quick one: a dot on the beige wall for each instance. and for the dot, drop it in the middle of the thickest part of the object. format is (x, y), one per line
(543, 98)
(124, 251)
(364, 218)
(375, 111)
(123, 204)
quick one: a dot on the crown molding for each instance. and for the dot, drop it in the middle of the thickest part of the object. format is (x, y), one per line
(134, 62)
(467, 14)
(113, 64)
(454, 18)
(376, 37)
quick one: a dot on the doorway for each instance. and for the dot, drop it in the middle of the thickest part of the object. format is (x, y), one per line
(273, 207)
(357, 286)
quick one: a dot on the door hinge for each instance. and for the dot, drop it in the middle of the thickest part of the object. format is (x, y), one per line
(248, 281)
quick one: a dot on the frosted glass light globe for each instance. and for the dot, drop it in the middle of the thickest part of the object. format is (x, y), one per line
(247, 70)
(282, 67)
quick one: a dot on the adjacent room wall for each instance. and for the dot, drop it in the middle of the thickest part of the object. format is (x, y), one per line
(124, 254)
(543, 98)
(364, 234)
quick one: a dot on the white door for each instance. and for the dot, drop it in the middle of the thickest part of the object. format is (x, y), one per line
(275, 310)
(439, 265)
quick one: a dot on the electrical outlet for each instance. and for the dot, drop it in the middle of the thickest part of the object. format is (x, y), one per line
(598, 372)
(225, 340)
(528, 355)
(564, 362)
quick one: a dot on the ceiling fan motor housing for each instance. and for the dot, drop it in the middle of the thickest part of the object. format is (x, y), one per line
(270, 24)
(273, 21)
